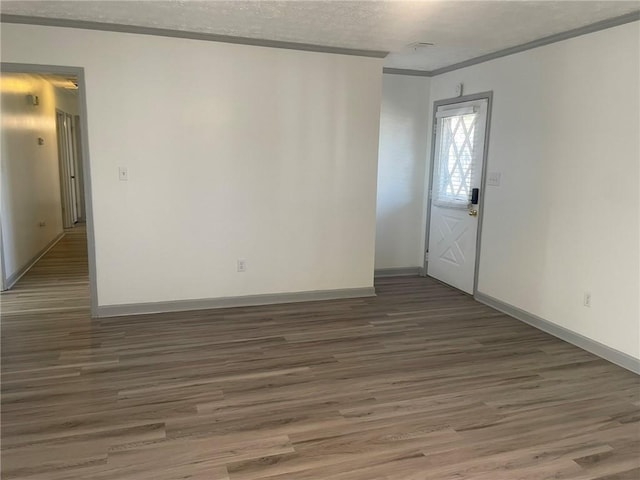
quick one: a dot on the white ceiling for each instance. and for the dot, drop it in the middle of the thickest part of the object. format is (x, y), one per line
(461, 30)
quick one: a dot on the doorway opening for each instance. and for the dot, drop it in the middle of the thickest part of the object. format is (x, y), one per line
(456, 197)
(46, 227)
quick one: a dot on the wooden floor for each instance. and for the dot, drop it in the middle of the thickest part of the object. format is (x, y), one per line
(418, 383)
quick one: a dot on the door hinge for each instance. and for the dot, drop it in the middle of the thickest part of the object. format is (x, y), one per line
(426, 256)
(435, 127)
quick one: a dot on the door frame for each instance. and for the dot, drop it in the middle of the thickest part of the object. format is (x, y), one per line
(483, 180)
(78, 72)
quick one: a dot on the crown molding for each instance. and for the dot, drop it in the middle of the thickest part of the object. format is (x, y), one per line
(407, 71)
(211, 37)
(163, 32)
(557, 37)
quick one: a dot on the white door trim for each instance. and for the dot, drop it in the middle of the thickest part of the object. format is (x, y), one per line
(452, 102)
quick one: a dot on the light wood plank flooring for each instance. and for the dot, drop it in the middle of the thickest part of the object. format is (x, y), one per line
(418, 383)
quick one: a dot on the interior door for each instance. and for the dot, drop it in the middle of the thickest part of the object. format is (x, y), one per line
(455, 193)
(64, 174)
(71, 159)
(67, 165)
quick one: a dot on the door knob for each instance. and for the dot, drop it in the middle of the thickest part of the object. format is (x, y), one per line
(473, 212)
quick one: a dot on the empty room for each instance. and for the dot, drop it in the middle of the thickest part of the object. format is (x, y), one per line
(308, 240)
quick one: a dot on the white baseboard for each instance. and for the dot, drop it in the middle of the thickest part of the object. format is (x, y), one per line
(13, 279)
(398, 272)
(603, 351)
(229, 302)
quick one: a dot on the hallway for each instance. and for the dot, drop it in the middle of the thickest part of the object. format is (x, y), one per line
(58, 282)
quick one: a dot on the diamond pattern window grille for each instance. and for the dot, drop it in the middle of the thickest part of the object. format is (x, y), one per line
(456, 153)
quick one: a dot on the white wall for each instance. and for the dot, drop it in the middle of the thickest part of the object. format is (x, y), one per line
(565, 134)
(30, 182)
(402, 163)
(233, 151)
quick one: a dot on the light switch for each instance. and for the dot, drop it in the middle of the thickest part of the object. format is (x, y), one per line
(123, 174)
(493, 179)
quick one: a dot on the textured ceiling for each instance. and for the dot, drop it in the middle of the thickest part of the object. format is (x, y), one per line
(460, 30)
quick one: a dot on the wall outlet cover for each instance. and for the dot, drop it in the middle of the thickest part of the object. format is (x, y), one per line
(494, 178)
(242, 265)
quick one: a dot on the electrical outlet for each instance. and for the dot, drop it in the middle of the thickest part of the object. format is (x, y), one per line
(587, 299)
(123, 174)
(242, 265)
(42, 223)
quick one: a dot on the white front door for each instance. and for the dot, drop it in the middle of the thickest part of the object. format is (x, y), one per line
(457, 171)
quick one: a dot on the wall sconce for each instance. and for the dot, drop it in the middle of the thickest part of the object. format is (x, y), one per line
(33, 100)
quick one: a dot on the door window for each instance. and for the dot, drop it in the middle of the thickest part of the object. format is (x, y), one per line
(455, 169)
